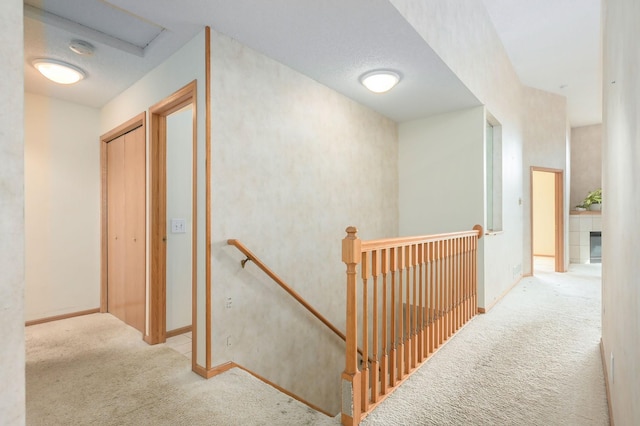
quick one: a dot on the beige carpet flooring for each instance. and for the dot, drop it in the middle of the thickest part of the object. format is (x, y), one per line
(95, 370)
(532, 360)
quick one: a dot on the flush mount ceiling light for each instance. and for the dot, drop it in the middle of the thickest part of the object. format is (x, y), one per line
(380, 81)
(58, 71)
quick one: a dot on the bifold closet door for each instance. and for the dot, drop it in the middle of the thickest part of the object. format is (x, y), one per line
(126, 288)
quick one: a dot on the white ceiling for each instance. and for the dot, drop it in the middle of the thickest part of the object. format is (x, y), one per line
(555, 45)
(333, 42)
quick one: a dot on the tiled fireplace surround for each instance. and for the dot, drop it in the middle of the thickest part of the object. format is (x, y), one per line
(580, 226)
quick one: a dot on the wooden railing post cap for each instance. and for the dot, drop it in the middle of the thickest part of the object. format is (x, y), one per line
(480, 230)
(351, 246)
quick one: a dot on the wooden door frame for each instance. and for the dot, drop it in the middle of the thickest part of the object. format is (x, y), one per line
(139, 120)
(558, 216)
(157, 322)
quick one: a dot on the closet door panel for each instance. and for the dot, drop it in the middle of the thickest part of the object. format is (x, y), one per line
(135, 228)
(116, 256)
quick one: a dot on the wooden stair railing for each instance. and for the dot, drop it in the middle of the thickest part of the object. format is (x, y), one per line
(252, 257)
(416, 293)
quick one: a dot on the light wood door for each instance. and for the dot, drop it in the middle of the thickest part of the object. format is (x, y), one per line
(126, 287)
(116, 251)
(135, 288)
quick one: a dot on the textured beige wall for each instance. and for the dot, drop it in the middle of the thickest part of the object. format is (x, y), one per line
(546, 145)
(12, 397)
(586, 161)
(620, 218)
(294, 163)
(62, 207)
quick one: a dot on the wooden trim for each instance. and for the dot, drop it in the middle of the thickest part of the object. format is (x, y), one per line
(605, 370)
(504, 293)
(559, 219)
(178, 331)
(283, 390)
(207, 67)
(126, 127)
(558, 215)
(158, 209)
(139, 120)
(212, 372)
(402, 241)
(61, 317)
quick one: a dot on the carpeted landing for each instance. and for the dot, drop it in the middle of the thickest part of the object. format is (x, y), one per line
(95, 370)
(532, 360)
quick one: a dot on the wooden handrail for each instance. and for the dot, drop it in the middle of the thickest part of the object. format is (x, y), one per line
(250, 256)
(404, 241)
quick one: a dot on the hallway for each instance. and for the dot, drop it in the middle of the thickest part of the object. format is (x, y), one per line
(534, 359)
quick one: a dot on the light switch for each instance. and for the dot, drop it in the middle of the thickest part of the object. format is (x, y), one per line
(178, 226)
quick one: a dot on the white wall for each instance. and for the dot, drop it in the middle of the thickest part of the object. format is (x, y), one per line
(179, 206)
(620, 218)
(543, 213)
(546, 145)
(475, 54)
(441, 173)
(12, 396)
(62, 207)
(586, 161)
(294, 163)
(184, 66)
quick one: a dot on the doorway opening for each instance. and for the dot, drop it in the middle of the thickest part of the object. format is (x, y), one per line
(173, 126)
(547, 219)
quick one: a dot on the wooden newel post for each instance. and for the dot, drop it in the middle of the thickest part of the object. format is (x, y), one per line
(351, 408)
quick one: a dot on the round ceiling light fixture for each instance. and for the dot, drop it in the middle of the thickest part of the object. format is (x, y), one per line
(58, 71)
(380, 81)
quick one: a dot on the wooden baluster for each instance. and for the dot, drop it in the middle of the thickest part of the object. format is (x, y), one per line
(420, 324)
(445, 293)
(384, 362)
(472, 309)
(351, 252)
(375, 366)
(400, 332)
(427, 300)
(414, 322)
(464, 279)
(441, 293)
(394, 343)
(433, 298)
(364, 376)
(467, 266)
(400, 313)
(456, 268)
(450, 282)
(408, 346)
(474, 273)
